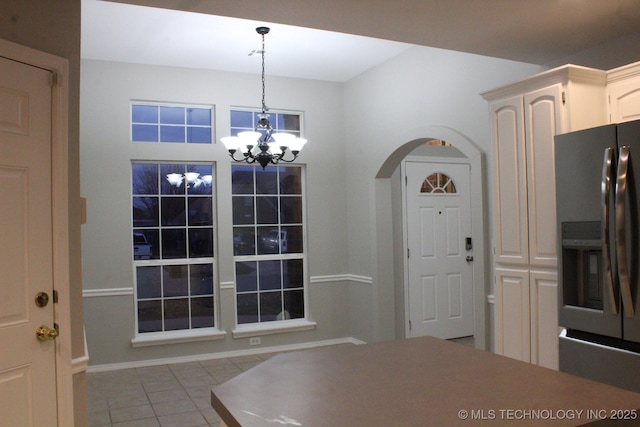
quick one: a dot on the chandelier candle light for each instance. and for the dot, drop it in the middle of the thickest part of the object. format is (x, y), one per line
(262, 145)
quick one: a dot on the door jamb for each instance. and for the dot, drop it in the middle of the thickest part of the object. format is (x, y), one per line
(60, 214)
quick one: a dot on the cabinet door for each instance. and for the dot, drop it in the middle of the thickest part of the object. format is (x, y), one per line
(511, 229)
(511, 314)
(542, 120)
(544, 318)
(624, 100)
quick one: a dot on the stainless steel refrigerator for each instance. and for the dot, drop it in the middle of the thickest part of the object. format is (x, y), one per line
(599, 253)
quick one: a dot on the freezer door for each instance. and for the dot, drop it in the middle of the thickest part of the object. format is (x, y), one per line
(629, 142)
(585, 172)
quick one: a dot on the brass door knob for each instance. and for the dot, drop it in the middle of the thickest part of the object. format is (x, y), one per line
(44, 333)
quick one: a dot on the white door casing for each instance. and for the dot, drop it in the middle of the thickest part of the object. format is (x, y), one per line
(27, 371)
(439, 264)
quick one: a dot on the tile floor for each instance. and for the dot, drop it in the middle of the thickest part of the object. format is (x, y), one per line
(166, 395)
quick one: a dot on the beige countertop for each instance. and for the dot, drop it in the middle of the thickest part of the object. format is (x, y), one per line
(413, 382)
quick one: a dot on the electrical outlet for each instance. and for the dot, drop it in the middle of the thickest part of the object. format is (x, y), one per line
(254, 341)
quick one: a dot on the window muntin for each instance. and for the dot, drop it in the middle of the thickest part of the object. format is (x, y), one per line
(171, 123)
(173, 255)
(268, 242)
(438, 183)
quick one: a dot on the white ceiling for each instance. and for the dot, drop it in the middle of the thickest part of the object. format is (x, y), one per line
(213, 35)
(146, 35)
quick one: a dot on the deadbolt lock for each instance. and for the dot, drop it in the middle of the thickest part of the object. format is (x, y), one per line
(45, 333)
(42, 299)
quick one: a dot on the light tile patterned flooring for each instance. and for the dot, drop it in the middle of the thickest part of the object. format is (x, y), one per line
(166, 395)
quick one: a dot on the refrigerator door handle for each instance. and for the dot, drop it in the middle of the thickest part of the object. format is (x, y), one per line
(621, 241)
(607, 167)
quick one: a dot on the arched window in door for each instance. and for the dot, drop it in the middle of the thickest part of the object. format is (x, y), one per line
(438, 183)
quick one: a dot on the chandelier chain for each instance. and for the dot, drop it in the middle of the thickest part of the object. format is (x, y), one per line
(264, 106)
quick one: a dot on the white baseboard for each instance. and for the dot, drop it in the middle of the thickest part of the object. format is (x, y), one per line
(222, 355)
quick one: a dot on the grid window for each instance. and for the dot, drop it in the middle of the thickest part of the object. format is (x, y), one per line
(173, 236)
(243, 120)
(171, 123)
(268, 242)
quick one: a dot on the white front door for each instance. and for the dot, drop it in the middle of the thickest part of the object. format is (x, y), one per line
(439, 266)
(27, 365)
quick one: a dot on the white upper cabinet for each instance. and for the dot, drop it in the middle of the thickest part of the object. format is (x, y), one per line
(525, 116)
(623, 93)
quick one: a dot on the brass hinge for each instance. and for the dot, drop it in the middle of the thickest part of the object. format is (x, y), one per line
(408, 253)
(409, 324)
(564, 98)
(55, 296)
(54, 79)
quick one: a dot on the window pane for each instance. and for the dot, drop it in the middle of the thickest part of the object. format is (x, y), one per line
(174, 243)
(247, 308)
(291, 210)
(199, 116)
(242, 179)
(149, 316)
(204, 183)
(200, 242)
(268, 240)
(200, 211)
(201, 279)
(202, 312)
(293, 274)
(144, 178)
(267, 181)
(246, 276)
(175, 281)
(145, 211)
(148, 282)
(242, 210)
(198, 135)
(165, 186)
(173, 211)
(171, 134)
(290, 180)
(144, 133)
(244, 239)
(288, 121)
(271, 306)
(293, 240)
(144, 114)
(145, 240)
(242, 119)
(270, 275)
(172, 115)
(267, 210)
(294, 304)
(176, 314)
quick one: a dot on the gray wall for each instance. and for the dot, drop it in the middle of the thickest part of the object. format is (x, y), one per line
(106, 154)
(420, 88)
(352, 129)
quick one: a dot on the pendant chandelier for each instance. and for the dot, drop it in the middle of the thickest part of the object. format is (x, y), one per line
(262, 145)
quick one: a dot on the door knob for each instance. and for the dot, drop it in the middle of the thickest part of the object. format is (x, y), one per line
(469, 258)
(44, 333)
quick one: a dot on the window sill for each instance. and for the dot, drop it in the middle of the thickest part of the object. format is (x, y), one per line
(176, 337)
(269, 328)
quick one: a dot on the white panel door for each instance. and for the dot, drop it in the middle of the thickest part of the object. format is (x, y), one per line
(511, 314)
(440, 277)
(511, 236)
(544, 318)
(542, 122)
(27, 365)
